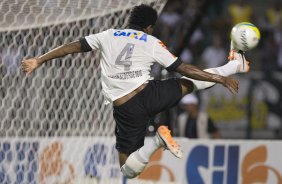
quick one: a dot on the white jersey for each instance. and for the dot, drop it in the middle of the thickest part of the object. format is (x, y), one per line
(126, 59)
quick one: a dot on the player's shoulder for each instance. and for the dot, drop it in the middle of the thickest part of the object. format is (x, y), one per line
(106, 32)
(102, 34)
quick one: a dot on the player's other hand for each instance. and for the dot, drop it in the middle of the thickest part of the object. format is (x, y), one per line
(231, 84)
(29, 65)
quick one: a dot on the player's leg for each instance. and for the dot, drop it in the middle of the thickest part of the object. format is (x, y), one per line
(122, 158)
(162, 95)
(238, 65)
(190, 85)
(131, 125)
(132, 119)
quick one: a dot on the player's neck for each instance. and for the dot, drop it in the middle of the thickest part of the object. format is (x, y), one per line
(135, 27)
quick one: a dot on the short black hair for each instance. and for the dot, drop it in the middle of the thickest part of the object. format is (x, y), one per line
(143, 16)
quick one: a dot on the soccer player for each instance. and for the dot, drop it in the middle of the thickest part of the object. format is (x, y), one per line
(126, 59)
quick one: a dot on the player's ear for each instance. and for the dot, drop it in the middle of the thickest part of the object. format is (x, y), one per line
(149, 29)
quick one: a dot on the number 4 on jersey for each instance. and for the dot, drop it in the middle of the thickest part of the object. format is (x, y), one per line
(127, 52)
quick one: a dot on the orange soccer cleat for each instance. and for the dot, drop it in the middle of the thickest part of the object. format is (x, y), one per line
(168, 142)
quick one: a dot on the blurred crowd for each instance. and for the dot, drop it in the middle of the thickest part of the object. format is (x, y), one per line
(210, 42)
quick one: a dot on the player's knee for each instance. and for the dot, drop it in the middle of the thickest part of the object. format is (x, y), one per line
(132, 167)
(186, 85)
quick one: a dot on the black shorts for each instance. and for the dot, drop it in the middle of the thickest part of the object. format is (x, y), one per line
(133, 116)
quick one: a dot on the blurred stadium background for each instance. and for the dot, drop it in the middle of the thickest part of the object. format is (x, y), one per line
(58, 112)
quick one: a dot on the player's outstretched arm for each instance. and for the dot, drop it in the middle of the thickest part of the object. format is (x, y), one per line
(31, 64)
(193, 72)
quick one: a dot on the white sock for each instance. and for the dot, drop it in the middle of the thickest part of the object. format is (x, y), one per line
(232, 67)
(144, 153)
(137, 161)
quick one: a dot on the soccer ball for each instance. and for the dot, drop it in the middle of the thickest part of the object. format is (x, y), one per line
(244, 36)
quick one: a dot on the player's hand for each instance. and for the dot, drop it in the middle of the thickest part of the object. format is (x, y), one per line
(29, 65)
(231, 84)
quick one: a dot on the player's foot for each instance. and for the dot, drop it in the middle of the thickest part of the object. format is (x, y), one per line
(167, 141)
(239, 56)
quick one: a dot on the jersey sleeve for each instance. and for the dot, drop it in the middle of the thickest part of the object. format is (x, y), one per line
(164, 57)
(92, 42)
